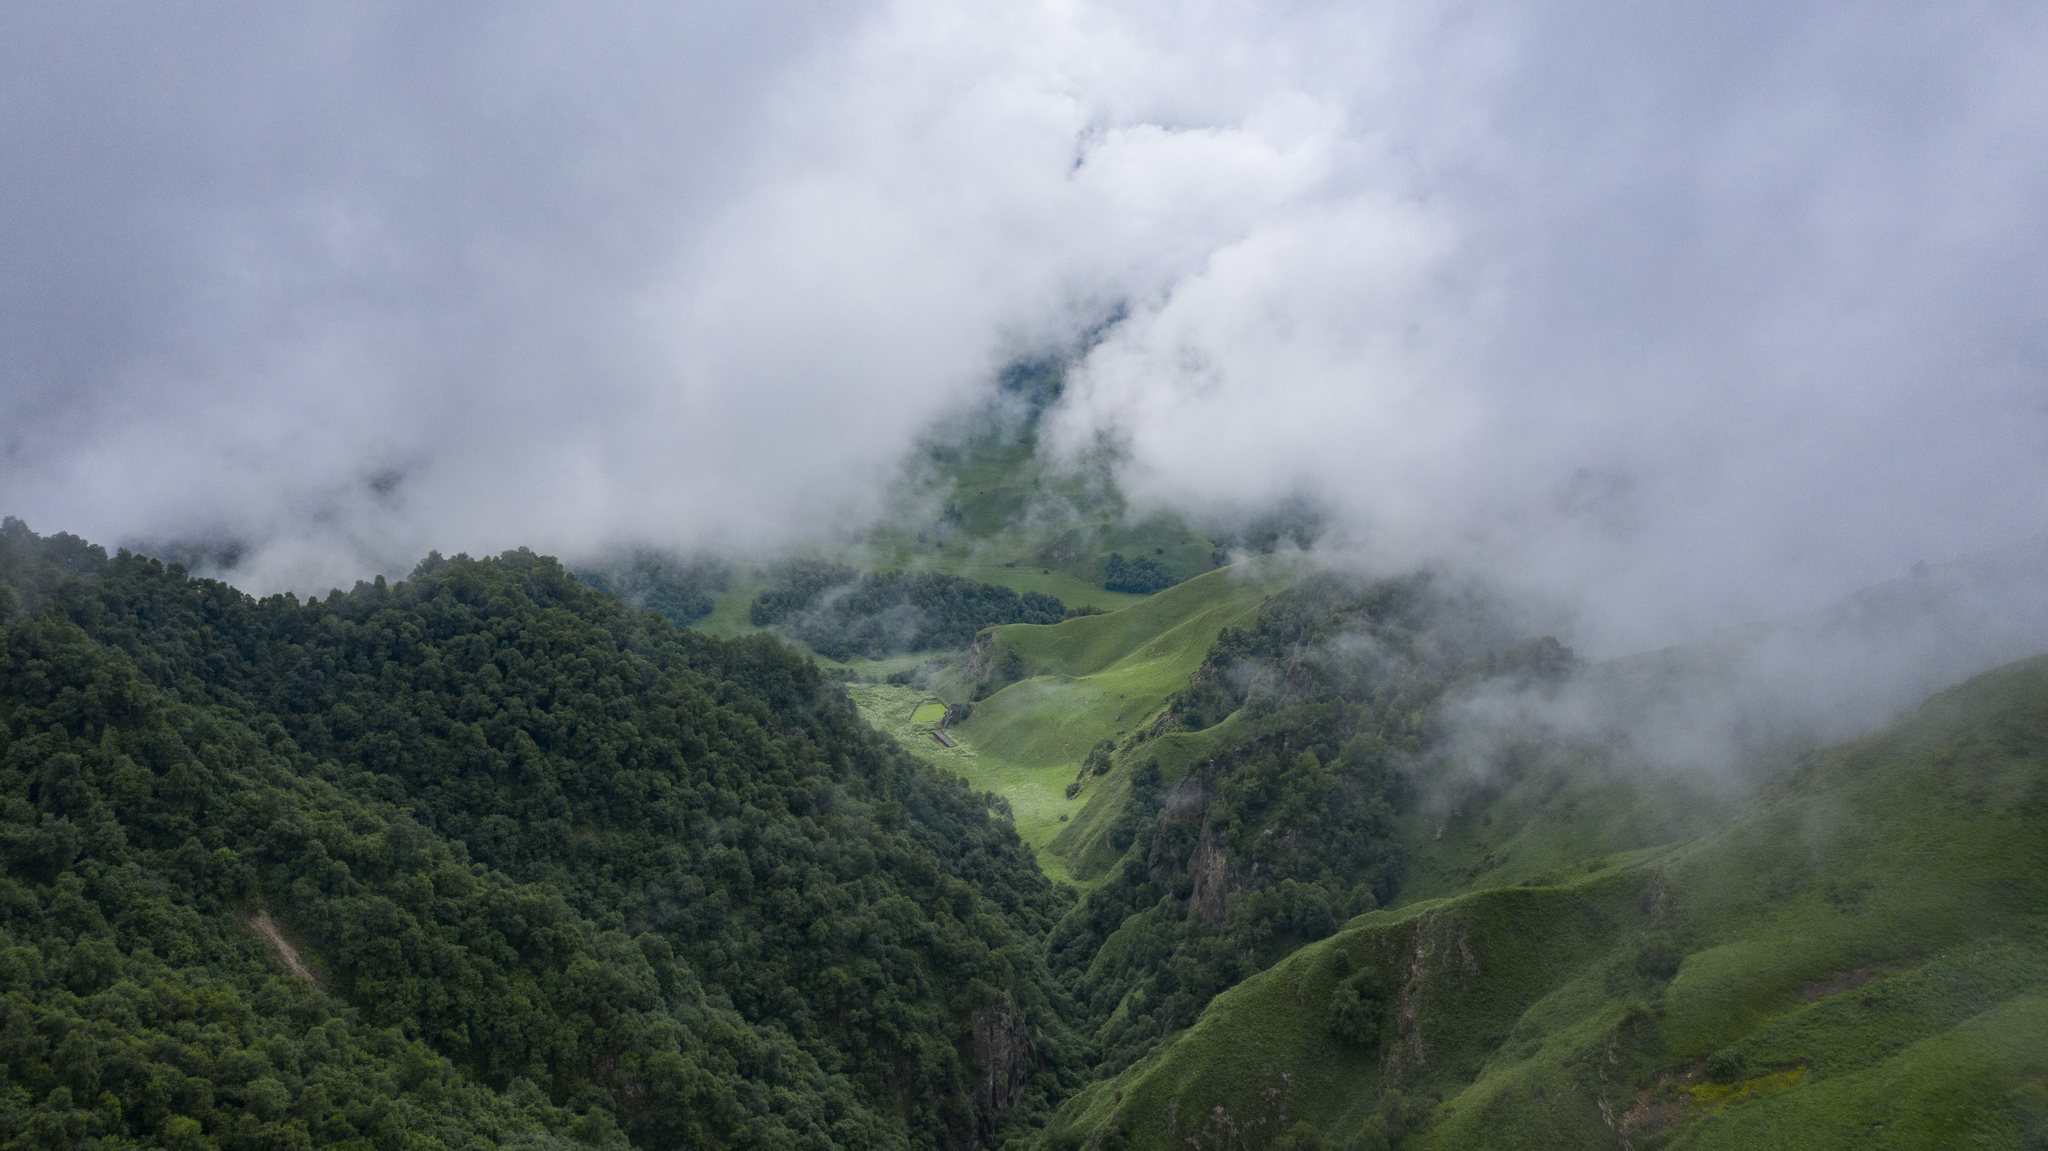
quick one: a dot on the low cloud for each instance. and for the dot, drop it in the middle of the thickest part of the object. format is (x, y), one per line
(1676, 318)
(1736, 706)
(1664, 319)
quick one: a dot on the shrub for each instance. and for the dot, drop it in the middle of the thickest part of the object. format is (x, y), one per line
(1725, 1067)
(1355, 1012)
(1658, 960)
(1141, 576)
(1100, 757)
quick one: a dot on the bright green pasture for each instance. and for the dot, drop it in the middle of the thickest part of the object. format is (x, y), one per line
(928, 713)
(893, 708)
(1093, 678)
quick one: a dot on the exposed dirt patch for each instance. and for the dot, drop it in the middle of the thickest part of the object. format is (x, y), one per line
(1663, 1104)
(1681, 1094)
(1656, 901)
(1815, 990)
(263, 925)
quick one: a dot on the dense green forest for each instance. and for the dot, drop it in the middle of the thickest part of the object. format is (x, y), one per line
(558, 870)
(681, 590)
(1397, 644)
(839, 612)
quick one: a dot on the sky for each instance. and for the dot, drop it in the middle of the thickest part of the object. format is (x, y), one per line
(1675, 316)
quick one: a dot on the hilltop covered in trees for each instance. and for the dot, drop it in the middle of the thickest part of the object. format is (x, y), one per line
(562, 870)
(559, 870)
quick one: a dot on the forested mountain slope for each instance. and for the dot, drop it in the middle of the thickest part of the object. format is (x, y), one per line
(840, 613)
(560, 870)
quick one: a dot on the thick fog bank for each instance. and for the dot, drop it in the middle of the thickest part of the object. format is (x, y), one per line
(1674, 318)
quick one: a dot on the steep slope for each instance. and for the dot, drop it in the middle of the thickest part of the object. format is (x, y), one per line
(1859, 959)
(556, 867)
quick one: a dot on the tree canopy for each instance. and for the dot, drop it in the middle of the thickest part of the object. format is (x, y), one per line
(562, 870)
(1140, 576)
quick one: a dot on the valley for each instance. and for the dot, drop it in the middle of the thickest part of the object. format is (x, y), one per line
(1578, 949)
(1275, 856)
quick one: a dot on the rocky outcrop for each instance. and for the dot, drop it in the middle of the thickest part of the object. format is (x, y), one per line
(1438, 949)
(999, 1047)
(1208, 865)
(977, 655)
(1190, 797)
(1209, 868)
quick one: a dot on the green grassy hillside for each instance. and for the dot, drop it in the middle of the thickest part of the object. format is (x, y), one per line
(1083, 844)
(1859, 958)
(1087, 679)
(1573, 949)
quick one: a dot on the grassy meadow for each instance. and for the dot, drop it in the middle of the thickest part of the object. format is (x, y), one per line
(1087, 679)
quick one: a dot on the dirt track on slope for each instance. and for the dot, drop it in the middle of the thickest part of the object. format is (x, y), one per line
(268, 929)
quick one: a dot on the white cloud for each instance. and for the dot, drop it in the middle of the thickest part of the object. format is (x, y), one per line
(1678, 314)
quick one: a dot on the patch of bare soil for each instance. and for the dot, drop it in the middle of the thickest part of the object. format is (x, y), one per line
(1662, 1104)
(263, 925)
(1815, 990)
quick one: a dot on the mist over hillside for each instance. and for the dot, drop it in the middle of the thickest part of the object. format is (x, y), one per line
(1741, 698)
(1674, 319)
